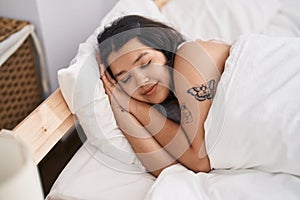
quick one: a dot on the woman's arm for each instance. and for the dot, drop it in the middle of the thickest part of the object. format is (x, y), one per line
(171, 136)
(195, 68)
(154, 157)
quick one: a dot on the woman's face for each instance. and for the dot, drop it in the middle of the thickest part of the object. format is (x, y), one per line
(141, 72)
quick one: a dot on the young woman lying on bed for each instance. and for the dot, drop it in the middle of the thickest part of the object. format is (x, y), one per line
(160, 88)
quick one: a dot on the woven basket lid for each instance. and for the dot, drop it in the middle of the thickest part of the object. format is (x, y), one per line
(9, 26)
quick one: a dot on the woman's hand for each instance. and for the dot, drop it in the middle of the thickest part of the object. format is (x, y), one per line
(118, 98)
(119, 101)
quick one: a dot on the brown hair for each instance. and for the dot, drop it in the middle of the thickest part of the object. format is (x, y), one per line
(151, 33)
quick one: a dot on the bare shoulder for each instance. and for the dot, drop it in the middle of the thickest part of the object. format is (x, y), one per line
(202, 53)
(187, 57)
(198, 66)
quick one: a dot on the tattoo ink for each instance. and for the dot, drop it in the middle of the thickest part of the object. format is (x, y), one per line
(204, 91)
(186, 114)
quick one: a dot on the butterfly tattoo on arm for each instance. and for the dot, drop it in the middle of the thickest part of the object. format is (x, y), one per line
(204, 91)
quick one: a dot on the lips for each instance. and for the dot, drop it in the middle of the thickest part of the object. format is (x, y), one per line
(150, 90)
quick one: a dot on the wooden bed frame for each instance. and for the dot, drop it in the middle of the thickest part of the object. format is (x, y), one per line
(46, 125)
(50, 121)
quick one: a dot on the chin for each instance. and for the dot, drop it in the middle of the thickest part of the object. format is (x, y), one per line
(157, 102)
(160, 99)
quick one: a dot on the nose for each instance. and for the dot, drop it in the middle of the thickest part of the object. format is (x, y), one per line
(141, 77)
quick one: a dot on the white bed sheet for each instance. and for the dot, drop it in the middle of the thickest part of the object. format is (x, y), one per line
(85, 177)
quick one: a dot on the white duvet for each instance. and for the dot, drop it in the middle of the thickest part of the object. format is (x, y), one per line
(252, 130)
(177, 183)
(254, 121)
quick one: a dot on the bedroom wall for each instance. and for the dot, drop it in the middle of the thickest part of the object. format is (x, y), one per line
(60, 25)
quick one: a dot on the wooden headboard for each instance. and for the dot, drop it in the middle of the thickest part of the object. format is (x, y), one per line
(50, 121)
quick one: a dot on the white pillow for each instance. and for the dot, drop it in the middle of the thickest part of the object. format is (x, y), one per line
(84, 93)
(220, 19)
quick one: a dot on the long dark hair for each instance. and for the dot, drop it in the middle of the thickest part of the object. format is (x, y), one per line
(151, 33)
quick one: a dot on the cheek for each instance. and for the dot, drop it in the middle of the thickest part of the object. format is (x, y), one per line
(129, 88)
(162, 73)
(158, 71)
(132, 92)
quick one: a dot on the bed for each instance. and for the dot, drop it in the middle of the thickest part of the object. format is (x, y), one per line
(105, 167)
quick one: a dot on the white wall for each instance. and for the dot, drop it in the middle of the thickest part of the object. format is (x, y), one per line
(61, 26)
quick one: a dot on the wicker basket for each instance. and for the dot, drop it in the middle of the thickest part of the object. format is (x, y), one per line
(20, 90)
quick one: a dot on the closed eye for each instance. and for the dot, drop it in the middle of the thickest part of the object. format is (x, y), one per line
(126, 79)
(146, 65)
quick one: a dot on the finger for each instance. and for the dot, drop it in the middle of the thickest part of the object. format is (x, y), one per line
(98, 57)
(118, 87)
(109, 78)
(108, 92)
(102, 69)
(106, 82)
(112, 98)
(107, 86)
(100, 64)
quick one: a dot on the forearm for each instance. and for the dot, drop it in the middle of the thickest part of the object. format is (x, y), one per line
(153, 156)
(171, 136)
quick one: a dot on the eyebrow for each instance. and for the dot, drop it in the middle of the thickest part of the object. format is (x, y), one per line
(140, 56)
(136, 60)
(120, 73)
